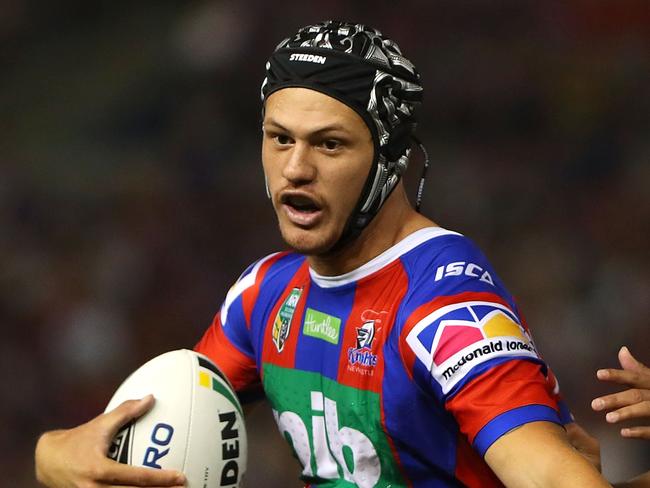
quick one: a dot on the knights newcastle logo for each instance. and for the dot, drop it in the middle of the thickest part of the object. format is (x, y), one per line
(366, 334)
(282, 322)
(362, 354)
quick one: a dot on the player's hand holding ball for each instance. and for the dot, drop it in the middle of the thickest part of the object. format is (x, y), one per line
(76, 457)
(192, 435)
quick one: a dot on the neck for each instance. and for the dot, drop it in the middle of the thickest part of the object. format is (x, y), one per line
(396, 220)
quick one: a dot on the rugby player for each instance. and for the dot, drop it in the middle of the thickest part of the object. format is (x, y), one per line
(387, 346)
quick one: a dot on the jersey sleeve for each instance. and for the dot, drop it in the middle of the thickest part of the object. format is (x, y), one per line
(465, 343)
(219, 345)
(227, 341)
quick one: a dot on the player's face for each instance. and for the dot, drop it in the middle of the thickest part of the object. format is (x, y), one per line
(317, 153)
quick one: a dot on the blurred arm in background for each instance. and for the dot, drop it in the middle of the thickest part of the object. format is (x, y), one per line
(631, 404)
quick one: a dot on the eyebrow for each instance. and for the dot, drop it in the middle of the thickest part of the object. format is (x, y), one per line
(327, 128)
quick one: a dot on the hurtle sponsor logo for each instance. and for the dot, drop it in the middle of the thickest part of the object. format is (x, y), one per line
(282, 322)
(322, 326)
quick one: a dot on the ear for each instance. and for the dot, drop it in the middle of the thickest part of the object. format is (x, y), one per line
(398, 141)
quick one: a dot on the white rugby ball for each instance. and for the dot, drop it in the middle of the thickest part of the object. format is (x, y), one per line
(196, 425)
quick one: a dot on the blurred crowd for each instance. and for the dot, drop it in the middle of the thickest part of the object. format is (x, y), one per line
(131, 192)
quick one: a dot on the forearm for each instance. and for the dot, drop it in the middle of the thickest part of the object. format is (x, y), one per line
(539, 455)
(565, 468)
(560, 470)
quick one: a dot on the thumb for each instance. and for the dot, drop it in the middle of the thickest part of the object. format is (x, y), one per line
(629, 362)
(125, 412)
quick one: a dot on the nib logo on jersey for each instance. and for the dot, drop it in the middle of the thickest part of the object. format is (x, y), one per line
(362, 354)
(454, 339)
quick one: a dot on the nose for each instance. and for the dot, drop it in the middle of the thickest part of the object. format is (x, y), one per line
(299, 168)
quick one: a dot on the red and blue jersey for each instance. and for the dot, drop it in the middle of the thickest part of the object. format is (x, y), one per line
(402, 372)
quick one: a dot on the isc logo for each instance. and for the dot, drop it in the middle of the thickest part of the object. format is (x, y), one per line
(329, 442)
(459, 268)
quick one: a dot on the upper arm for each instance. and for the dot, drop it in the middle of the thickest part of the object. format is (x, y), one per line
(538, 454)
(233, 361)
(465, 342)
(228, 339)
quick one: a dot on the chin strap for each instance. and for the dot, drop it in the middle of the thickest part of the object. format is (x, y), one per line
(350, 233)
(423, 176)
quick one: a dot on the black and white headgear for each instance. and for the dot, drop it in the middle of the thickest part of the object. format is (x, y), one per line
(365, 70)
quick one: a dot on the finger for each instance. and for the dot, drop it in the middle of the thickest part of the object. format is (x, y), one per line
(125, 474)
(125, 412)
(636, 411)
(636, 432)
(620, 399)
(636, 379)
(628, 361)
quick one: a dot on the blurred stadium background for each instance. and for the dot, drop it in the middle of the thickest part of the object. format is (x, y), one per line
(131, 194)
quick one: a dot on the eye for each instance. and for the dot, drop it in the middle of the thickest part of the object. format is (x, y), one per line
(331, 144)
(282, 139)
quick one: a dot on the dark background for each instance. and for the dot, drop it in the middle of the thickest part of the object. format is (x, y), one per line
(131, 192)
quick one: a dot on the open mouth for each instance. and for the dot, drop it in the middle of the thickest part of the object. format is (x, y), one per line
(300, 203)
(301, 209)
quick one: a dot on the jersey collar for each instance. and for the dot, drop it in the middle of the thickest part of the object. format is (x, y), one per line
(388, 256)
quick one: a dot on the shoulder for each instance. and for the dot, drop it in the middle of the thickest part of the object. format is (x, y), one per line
(276, 268)
(450, 269)
(436, 244)
(458, 314)
(447, 260)
(273, 264)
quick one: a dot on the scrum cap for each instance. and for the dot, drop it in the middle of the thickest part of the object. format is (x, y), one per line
(365, 70)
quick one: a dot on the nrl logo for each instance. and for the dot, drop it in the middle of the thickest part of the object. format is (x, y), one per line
(282, 322)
